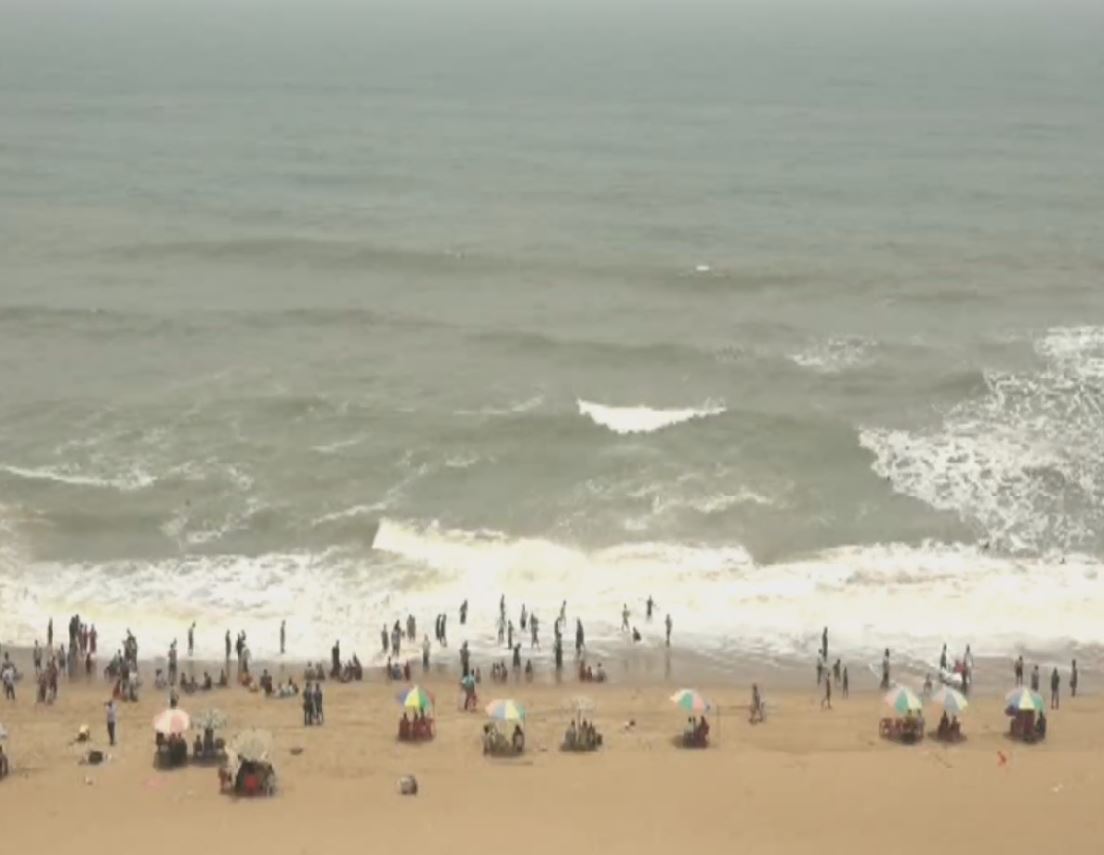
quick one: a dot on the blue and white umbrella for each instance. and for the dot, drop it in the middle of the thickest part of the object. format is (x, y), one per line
(952, 700)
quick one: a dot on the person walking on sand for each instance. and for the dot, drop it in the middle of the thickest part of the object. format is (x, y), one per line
(534, 627)
(191, 640)
(819, 668)
(1073, 679)
(885, 670)
(580, 638)
(846, 683)
(1055, 682)
(943, 659)
(463, 613)
(824, 644)
(228, 648)
(317, 697)
(1017, 669)
(625, 617)
(826, 701)
(649, 606)
(110, 714)
(1035, 678)
(425, 652)
(50, 634)
(668, 622)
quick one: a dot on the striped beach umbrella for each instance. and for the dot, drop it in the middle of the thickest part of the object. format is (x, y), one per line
(173, 721)
(903, 700)
(1024, 700)
(506, 710)
(690, 701)
(415, 698)
(952, 700)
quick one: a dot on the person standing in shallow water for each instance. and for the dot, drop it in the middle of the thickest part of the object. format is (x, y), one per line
(1073, 679)
(824, 644)
(283, 637)
(668, 622)
(846, 683)
(191, 640)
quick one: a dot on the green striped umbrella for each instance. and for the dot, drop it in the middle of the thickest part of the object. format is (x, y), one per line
(691, 701)
(903, 700)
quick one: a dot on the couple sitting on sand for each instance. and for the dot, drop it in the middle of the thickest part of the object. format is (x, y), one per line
(419, 728)
(696, 734)
(949, 730)
(586, 675)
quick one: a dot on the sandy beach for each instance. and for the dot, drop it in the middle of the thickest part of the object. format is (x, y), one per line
(804, 781)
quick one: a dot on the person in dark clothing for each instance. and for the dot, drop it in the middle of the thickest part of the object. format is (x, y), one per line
(1018, 669)
(1055, 682)
(1073, 679)
(335, 656)
(885, 670)
(318, 716)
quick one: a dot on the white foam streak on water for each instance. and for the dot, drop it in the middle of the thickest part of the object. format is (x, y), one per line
(129, 480)
(641, 419)
(834, 355)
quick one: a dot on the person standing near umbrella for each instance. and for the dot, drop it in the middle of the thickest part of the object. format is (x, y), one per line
(111, 712)
(1055, 682)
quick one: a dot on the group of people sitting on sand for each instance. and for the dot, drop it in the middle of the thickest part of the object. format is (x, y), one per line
(190, 685)
(172, 750)
(696, 734)
(415, 728)
(949, 729)
(1028, 726)
(909, 728)
(496, 743)
(352, 671)
(582, 737)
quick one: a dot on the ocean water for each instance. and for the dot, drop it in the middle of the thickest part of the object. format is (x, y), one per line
(786, 314)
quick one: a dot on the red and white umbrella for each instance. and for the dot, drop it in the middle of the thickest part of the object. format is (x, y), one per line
(172, 722)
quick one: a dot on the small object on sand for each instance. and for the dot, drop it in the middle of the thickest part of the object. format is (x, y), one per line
(83, 733)
(629, 725)
(87, 780)
(297, 750)
(408, 785)
(1002, 760)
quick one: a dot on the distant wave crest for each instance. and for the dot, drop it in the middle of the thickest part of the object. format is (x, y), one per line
(641, 419)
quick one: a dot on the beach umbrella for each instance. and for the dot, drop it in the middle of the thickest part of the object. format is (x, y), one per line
(506, 710)
(903, 700)
(690, 701)
(253, 745)
(211, 719)
(172, 721)
(1025, 700)
(416, 698)
(952, 700)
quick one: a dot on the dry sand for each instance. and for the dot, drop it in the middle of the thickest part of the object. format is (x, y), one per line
(806, 781)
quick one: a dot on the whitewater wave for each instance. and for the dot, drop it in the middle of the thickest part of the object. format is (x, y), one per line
(629, 420)
(910, 597)
(1023, 462)
(129, 480)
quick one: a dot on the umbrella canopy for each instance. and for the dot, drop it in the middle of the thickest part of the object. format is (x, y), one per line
(952, 700)
(211, 719)
(172, 722)
(691, 701)
(416, 698)
(1024, 700)
(254, 745)
(506, 710)
(903, 700)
